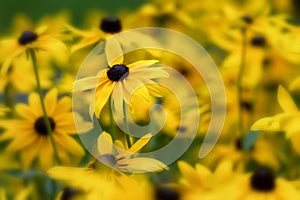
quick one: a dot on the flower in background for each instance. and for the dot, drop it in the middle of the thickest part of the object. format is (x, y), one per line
(104, 174)
(107, 27)
(260, 184)
(21, 76)
(121, 80)
(201, 183)
(39, 39)
(29, 135)
(288, 121)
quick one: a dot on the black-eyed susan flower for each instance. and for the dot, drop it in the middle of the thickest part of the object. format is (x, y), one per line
(260, 184)
(287, 121)
(38, 39)
(29, 134)
(107, 27)
(105, 174)
(121, 80)
(200, 182)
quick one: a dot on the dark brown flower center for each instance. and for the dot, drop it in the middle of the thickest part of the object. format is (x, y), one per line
(262, 180)
(69, 193)
(27, 37)
(165, 193)
(110, 25)
(40, 125)
(247, 19)
(118, 72)
(258, 41)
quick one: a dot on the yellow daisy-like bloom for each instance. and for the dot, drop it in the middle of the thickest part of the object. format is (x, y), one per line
(200, 182)
(287, 121)
(121, 80)
(29, 134)
(261, 184)
(107, 27)
(105, 173)
(39, 39)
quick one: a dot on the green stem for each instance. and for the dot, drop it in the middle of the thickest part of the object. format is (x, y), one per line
(111, 119)
(46, 118)
(239, 84)
(128, 139)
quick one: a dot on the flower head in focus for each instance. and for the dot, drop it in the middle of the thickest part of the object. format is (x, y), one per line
(121, 80)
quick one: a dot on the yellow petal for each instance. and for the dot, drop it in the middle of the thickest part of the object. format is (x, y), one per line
(65, 173)
(190, 174)
(285, 100)
(69, 144)
(46, 153)
(113, 52)
(142, 63)
(104, 143)
(30, 153)
(102, 95)
(86, 83)
(140, 143)
(135, 87)
(295, 84)
(34, 102)
(142, 165)
(117, 97)
(22, 141)
(26, 112)
(50, 101)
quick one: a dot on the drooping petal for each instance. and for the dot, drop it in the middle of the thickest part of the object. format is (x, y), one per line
(113, 52)
(117, 96)
(86, 83)
(105, 143)
(140, 165)
(102, 95)
(135, 87)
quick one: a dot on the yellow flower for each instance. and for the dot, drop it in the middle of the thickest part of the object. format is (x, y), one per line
(29, 134)
(21, 76)
(121, 80)
(261, 184)
(107, 27)
(200, 182)
(105, 173)
(39, 39)
(288, 121)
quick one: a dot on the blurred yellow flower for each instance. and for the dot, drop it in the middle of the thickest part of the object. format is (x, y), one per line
(261, 184)
(29, 134)
(108, 26)
(121, 80)
(288, 121)
(39, 39)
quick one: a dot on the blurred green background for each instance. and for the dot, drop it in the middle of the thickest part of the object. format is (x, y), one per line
(35, 9)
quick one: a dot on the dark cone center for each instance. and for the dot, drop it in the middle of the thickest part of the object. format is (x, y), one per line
(258, 41)
(118, 72)
(110, 25)
(263, 180)
(27, 37)
(40, 125)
